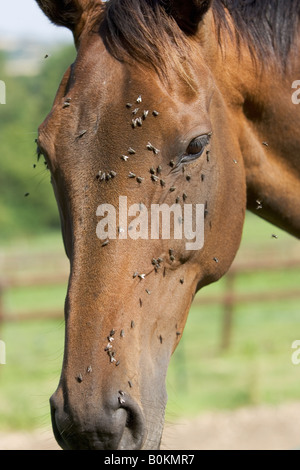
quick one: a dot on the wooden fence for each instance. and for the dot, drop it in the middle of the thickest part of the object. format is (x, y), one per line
(228, 298)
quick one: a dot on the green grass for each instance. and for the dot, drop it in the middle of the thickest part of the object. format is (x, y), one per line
(256, 369)
(44, 298)
(31, 374)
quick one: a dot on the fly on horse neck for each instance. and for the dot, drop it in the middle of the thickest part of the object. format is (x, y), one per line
(168, 102)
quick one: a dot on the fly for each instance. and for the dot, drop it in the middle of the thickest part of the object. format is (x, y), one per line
(259, 205)
(151, 148)
(81, 134)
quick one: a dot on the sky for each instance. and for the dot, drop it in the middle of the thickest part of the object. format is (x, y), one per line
(23, 18)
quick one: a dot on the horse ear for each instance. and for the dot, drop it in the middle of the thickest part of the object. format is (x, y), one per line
(69, 13)
(62, 12)
(187, 13)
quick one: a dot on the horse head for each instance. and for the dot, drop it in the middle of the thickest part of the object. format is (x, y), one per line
(138, 133)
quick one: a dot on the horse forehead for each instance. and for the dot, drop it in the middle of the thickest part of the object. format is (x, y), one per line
(109, 97)
(105, 79)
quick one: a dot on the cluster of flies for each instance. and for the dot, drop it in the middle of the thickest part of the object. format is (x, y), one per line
(111, 354)
(109, 348)
(155, 175)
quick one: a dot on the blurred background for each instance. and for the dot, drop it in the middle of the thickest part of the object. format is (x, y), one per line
(231, 382)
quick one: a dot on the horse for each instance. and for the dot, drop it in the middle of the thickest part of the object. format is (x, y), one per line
(187, 104)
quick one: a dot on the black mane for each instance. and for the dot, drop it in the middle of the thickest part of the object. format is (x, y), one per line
(142, 30)
(267, 26)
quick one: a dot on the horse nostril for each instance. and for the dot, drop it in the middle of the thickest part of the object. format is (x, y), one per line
(134, 430)
(115, 426)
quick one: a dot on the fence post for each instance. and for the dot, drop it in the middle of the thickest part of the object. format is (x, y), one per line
(228, 305)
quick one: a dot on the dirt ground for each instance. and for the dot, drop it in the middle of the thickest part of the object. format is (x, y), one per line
(256, 428)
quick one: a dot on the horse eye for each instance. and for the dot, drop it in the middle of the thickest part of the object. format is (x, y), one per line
(195, 148)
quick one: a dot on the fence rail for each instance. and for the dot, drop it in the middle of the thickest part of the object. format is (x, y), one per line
(228, 298)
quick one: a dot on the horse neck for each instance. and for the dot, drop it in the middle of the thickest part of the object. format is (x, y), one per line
(264, 119)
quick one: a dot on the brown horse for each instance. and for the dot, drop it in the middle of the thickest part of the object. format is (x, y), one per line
(174, 102)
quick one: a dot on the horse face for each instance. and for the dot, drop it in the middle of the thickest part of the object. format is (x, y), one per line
(122, 144)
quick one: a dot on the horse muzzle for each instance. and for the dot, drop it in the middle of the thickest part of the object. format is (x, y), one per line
(117, 424)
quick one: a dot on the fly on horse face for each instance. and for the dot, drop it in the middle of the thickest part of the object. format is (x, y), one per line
(174, 103)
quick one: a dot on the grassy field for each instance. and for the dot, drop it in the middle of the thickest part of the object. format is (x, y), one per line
(256, 369)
